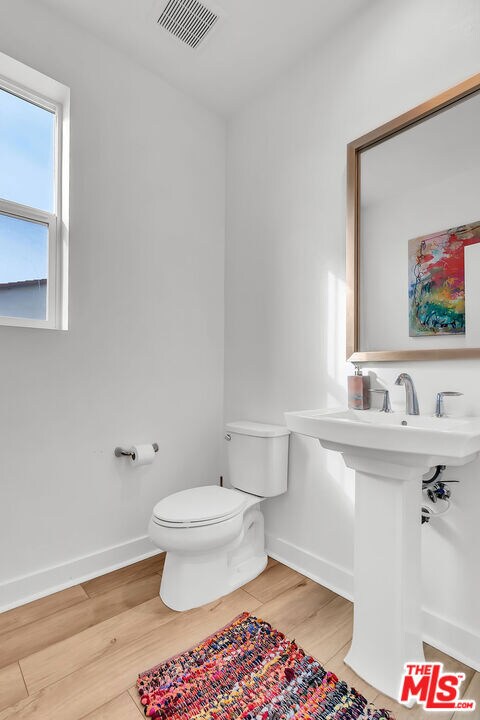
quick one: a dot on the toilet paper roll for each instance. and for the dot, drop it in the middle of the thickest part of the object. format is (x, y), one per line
(142, 454)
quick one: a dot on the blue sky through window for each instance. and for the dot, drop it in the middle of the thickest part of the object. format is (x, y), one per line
(26, 177)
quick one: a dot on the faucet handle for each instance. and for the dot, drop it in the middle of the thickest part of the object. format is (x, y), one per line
(386, 407)
(439, 408)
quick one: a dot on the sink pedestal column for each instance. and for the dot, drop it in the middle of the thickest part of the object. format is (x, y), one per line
(387, 571)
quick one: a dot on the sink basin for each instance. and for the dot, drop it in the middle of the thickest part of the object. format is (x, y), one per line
(390, 453)
(438, 441)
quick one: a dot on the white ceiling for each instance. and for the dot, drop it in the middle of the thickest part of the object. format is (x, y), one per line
(255, 43)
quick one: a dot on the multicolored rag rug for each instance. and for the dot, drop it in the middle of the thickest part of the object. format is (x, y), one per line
(249, 670)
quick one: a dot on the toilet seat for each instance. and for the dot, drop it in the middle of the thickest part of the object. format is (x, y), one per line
(197, 507)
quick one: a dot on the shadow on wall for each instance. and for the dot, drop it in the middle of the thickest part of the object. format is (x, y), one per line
(298, 330)
(336, 472)
(321, 489)
(336, 310)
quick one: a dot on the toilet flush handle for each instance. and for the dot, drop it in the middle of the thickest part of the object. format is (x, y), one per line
(228, 437)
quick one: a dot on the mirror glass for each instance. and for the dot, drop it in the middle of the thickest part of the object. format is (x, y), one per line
(419, 233)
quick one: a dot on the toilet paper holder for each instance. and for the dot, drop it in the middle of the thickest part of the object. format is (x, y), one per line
(119, 452)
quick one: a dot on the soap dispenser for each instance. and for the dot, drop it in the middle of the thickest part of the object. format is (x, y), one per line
(358, 390)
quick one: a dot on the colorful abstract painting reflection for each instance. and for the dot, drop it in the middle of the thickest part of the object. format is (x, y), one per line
(436, 283)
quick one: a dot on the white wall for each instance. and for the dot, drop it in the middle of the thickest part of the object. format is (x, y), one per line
(285, 269)
(143, 358)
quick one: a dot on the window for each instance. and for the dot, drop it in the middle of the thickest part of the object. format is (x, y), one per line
(34, 111)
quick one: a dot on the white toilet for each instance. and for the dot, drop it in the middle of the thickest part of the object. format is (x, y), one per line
(213, 536)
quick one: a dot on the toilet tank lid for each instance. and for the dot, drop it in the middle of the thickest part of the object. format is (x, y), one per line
(245, 427)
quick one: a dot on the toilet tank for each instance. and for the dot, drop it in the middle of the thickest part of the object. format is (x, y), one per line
(258, 457)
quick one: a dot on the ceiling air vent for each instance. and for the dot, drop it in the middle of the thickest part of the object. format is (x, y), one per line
(189, 20)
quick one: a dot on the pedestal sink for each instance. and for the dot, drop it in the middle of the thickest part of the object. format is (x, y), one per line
(390, 452)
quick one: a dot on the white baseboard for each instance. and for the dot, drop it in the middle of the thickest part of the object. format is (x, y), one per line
(334, 577)
(450, 638)
(20, 590)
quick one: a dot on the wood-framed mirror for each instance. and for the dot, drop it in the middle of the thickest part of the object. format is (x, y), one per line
(413, 233)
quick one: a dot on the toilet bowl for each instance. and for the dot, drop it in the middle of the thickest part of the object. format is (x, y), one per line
(214, 536)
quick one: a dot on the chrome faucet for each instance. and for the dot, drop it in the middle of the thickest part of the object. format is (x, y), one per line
(439, 409)
(410, 394)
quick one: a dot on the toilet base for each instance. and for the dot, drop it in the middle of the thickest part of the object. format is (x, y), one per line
(190, 580)
(186, 585)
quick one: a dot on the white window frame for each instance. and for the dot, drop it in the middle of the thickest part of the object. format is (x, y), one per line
(30, 85)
